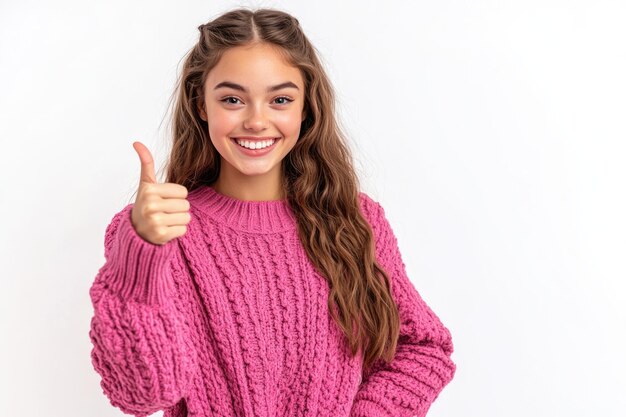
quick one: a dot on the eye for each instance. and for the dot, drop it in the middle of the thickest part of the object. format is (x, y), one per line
(285, 100)
(230, 100)
(282, 100)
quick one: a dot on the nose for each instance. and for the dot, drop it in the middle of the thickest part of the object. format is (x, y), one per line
(255, 119)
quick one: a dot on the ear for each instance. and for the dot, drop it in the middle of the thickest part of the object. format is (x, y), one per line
(200, 108)
(303, 115)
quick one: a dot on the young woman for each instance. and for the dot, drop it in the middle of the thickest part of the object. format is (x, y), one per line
(258, 280)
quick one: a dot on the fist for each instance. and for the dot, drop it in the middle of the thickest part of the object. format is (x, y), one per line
(161, 211)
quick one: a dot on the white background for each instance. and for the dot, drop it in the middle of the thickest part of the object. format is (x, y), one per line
(492, 132)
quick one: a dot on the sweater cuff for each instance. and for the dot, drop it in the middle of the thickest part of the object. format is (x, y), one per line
(139, 269)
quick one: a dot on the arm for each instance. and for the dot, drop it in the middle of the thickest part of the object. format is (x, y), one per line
(421, 368)
(141, 346)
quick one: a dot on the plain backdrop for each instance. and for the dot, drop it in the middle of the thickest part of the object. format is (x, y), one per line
(492, 132)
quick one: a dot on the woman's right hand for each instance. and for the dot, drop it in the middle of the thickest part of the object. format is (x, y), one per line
(161, 211)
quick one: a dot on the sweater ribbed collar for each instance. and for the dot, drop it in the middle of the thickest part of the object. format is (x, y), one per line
(246, 215)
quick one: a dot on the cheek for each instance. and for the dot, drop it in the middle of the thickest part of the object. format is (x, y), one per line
(289, 121)
(221, 122)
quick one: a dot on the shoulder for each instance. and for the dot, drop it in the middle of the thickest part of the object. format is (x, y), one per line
(372, 209)
(367, 203)
(375, 215)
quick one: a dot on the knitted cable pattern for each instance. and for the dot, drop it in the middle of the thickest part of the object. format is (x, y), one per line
(231, 319)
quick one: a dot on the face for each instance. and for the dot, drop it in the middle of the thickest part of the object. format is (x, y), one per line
(253, 95)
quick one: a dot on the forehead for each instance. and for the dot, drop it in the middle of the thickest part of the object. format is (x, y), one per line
(256, 66)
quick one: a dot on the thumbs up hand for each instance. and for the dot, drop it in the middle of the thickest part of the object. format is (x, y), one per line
(161, 211)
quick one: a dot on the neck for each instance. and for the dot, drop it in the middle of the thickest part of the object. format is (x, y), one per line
(266, 187)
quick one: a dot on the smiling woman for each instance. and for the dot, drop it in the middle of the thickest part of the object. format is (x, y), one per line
(254, 118)
(259, 280)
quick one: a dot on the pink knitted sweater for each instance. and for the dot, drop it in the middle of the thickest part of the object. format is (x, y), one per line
(231, 319)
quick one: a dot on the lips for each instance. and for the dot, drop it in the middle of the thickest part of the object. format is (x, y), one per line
(256, 152)
(255, 138)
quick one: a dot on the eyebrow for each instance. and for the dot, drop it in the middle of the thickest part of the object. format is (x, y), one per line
(234, 86)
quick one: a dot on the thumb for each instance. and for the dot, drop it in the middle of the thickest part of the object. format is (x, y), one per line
(147, 163)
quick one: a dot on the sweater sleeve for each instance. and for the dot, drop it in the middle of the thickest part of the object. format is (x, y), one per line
(141, 345)
(421, 367)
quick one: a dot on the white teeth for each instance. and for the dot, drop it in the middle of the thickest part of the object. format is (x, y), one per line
(255, 145)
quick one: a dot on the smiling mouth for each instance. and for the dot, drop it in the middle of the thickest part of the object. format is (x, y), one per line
(252, 144)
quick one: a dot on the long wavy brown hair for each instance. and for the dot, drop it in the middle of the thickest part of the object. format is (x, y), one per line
(318, 175)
